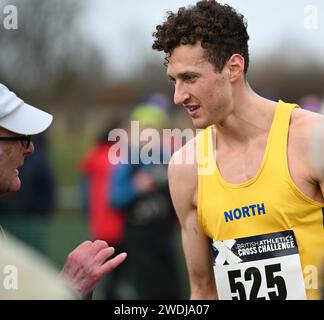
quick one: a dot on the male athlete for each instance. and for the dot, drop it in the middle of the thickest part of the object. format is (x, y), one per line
(251, 206)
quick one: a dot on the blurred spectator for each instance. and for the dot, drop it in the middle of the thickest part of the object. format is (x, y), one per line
(160, 100)
(311, 102)
(105, 223)
(141, 190)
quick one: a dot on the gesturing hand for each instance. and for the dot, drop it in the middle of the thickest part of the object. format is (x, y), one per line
(87, 264)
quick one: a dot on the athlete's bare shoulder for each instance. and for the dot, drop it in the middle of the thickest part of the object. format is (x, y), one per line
(302, 125)
(183, 162)
(301, 134)
(301, 118)
(183, 176)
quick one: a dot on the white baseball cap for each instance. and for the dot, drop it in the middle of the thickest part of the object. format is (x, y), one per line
(20, 117)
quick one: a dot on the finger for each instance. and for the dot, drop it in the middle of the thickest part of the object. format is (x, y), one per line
(84, 245)
(113, 263)
(72, 264)
(104, 254)
(98, 245)
(86, 251)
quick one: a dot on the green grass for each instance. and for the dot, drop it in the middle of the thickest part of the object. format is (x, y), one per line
(66, 152)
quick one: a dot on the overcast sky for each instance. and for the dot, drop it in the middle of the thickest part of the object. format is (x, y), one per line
(123, 29)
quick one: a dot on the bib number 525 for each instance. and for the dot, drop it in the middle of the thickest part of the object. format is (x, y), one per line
(273, 281)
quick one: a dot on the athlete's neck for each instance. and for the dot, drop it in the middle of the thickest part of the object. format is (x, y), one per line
(251, 116)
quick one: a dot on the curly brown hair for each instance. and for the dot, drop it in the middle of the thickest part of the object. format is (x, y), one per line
(220, 29)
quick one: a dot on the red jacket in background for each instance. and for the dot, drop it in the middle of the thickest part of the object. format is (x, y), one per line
(105, 223)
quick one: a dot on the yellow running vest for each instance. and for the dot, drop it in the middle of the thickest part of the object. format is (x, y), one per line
(267, 236)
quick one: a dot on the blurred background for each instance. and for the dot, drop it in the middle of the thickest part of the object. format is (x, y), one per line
(90, 63)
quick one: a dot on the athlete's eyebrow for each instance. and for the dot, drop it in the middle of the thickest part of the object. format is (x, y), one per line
(187, 74)
(183, 75)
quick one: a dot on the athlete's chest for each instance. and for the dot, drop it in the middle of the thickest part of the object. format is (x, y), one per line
(241, 164)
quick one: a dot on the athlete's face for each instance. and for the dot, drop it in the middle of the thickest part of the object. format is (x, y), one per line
(205, 93)
(12, 155)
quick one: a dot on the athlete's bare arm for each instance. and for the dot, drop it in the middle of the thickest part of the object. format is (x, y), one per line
(301, 134)
(319, 173)
(183, 188)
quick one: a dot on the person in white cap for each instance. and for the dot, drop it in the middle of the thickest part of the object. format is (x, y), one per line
(87, 264)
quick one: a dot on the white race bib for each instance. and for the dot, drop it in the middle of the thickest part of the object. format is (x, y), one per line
(264, 267)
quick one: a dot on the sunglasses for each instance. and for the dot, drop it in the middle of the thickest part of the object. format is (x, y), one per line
(24, 140)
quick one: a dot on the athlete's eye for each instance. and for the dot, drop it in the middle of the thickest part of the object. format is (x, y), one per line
(171, 80)
(189, 78)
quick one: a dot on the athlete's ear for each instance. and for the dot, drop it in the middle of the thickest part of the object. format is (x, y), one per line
(235, 66)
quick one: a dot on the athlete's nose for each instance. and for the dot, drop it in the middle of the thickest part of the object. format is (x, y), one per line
(180, 94)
